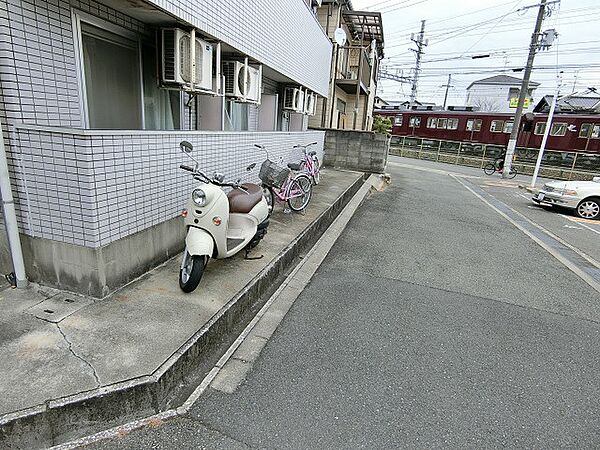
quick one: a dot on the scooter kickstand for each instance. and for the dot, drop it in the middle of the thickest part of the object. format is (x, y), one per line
(251, 258)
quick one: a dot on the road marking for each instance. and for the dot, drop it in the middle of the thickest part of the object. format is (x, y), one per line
(427, 169)
(581, 222)
(589, 279)
(525, 197)
(572, 227)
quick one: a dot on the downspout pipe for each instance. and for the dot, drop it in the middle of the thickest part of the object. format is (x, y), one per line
(10, 218)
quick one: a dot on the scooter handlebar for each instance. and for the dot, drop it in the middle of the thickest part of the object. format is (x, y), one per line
(184, 167)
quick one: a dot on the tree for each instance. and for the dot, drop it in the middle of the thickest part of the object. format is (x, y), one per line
(382, 125)
(487, 104)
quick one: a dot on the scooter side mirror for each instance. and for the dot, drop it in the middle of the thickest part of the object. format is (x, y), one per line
(218, 177)
(186, 147)
(250, 167)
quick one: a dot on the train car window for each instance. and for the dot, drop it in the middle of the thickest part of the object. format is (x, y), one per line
(558, 129)
(452, 124)
(473, 125)
(497, 126)
(540, 128)
(432, 122)
(595, 131)
(414, 122)
(508, 126)
(585, 129)
(398, 120)
(442, 123)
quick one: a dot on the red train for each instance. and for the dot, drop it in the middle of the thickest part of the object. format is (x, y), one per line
(569, 132)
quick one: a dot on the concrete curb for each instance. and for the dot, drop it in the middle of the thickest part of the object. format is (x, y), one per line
(65, 419)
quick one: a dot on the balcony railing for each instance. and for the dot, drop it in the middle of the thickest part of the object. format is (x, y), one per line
(353, 67)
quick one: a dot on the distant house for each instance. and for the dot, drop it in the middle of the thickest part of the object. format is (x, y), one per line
(499, 93)
(379, 103)
(574, 103)
(408, 106)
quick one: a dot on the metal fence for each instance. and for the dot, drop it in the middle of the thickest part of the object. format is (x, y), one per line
(555, 164)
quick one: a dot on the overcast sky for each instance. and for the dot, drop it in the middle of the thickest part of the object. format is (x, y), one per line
(460, 29)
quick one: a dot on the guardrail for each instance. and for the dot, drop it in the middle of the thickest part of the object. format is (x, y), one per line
(555, 164)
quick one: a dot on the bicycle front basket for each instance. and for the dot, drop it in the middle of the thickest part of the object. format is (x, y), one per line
(272, 174)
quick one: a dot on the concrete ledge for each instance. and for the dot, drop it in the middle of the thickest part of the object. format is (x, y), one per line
(65, 419)
(100, 271)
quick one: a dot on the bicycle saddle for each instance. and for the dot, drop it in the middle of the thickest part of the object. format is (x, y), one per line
(313, 153)
(294, 166)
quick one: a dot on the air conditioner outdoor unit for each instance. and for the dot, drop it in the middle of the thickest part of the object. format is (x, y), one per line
(310, 103)
(234, 81)
(293, 99)
(176, 62)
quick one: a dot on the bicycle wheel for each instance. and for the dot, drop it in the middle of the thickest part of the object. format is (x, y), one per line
(299, 192)
(269, 197)
(489, 169)
(317, 171)
(512, 173)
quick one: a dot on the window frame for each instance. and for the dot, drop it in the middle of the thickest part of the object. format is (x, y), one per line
(504, 128)
(454, 121)
(396, 117)
(560, 124)
(494, 129)
(596, 130)
(535, 128)
(77, 17)
(588, 133)
(442, 123)
(432, 122)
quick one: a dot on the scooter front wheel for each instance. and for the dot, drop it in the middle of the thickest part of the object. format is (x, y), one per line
(192, 269)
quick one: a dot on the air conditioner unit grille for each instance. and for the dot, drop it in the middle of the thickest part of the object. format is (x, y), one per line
(169, 54)
(184, 55)
(229, 72)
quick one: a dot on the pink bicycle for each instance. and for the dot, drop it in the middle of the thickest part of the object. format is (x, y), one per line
(282, 184)
(310, 163)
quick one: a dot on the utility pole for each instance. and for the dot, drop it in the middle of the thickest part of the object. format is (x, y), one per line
(421, 43)
(447, 86)
(512, 142)
(547, 130)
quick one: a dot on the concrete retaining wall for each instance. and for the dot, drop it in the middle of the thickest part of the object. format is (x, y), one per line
(362, 151)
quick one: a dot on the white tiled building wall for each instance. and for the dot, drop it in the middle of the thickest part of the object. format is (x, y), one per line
(284, 34)
(91, 188)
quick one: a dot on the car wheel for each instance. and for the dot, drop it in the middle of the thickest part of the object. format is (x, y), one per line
(588, 208)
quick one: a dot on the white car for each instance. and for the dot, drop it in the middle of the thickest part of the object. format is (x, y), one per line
(583, 197)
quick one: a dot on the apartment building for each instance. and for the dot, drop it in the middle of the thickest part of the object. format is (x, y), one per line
(95, 97)
(357, 49)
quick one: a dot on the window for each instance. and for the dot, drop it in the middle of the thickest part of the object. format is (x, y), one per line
(341, 106)
(558, 129)
(414, 122)
(497, 126)
(508, 126)
(112, 79)
(452, 124)
(473, 125)
(595, 131)
(119, 80)
(236, 116)
(442, 123)
(540, 128)
(432, 122)
(398, 120)
(585, 129)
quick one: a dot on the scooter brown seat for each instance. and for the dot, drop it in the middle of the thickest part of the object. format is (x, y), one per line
(243, 202)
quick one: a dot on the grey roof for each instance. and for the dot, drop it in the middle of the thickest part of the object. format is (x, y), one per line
(502, 80)
(571, 103)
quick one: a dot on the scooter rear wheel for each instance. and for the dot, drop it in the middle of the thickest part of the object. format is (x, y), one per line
(191, 271)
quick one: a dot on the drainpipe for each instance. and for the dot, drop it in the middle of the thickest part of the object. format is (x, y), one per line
(10, 218)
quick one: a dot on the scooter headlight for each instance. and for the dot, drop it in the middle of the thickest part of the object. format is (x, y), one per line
(199, 197)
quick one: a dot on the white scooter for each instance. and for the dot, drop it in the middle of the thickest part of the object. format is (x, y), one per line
(219, 225)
